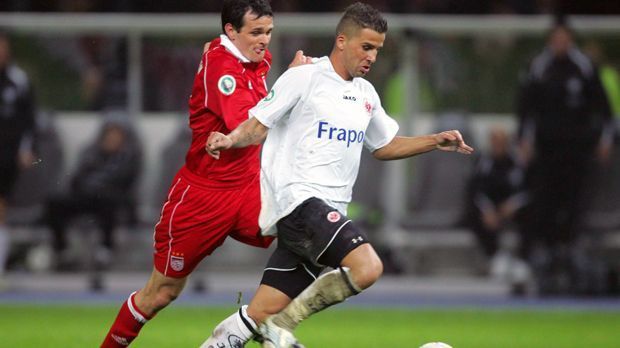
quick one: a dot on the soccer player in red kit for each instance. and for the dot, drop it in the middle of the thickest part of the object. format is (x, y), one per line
(210, 199)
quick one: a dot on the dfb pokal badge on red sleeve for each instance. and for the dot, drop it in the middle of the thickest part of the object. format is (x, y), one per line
(177, 262)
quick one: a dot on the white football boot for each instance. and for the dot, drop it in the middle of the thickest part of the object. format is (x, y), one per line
(277, 337)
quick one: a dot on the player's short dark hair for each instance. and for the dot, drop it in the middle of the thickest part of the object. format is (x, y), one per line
(234, 10)
(360, 16)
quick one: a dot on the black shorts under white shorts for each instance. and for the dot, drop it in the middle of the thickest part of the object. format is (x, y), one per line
(312, 237)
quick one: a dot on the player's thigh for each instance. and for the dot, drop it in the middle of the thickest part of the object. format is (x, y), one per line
(194, 222)
(319, 233)
(289, 272)
(246, 229)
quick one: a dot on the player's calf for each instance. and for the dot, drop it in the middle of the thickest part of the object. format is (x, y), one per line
(331, 288)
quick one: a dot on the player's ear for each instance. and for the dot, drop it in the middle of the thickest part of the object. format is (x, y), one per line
(340, 41)
(230, 31)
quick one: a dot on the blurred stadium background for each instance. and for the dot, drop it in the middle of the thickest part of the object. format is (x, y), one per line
(446, 64)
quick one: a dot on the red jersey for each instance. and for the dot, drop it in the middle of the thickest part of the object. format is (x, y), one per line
(225, 88)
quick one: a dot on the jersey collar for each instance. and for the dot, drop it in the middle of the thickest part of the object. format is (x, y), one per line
(225, 41)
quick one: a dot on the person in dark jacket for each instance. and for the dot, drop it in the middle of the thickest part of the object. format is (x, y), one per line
(496, 192)
(101, 185)
(17, 130)
(564, 125)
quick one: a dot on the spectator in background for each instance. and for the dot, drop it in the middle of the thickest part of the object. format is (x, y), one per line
(564, 123)
(17, 128)
(497, 201)
(102, 185)
(496, 192)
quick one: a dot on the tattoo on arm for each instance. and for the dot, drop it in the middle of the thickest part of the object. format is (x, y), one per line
(248, 133)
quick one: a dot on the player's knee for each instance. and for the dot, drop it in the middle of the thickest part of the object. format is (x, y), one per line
(368, 273)
(164, 297)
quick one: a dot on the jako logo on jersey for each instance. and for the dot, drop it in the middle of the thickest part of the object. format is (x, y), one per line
(333, 216)
(341, 134)
(349, 97)
(227, 84)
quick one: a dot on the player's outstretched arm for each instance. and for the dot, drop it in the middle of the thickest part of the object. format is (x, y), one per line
(249, 132)
(403, 147)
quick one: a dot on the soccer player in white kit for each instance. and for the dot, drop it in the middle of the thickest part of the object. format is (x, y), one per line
(316, 119)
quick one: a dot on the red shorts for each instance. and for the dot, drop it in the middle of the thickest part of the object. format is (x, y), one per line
(195, 220)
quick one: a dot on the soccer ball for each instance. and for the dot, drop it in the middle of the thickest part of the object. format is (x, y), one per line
(435, 345)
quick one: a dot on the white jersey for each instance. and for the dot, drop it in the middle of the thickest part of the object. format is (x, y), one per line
(318, 123)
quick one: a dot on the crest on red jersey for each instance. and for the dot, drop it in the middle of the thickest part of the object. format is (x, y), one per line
(177, 263)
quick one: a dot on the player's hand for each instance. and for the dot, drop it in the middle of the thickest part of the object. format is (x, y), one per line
(300, 59)
(452, 140)
(216, 142)
(205, 48)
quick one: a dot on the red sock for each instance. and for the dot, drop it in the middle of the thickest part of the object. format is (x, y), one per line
(127, 325)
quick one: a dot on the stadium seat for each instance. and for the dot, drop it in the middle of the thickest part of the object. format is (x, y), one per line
(603, 205)
(437, 182)
(366, 207)
(171, 159)
(34, 184)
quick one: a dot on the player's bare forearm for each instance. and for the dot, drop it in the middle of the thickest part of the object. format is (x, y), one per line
(249, 132)
(404, 147)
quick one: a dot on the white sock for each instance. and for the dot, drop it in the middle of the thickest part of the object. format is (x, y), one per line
(329, 289)
(237, 329)
(4, 248)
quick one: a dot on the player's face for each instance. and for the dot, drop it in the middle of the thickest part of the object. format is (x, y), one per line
(360, 51)
(254, 37)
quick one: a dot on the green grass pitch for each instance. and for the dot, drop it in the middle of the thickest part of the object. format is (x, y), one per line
(31, 326)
